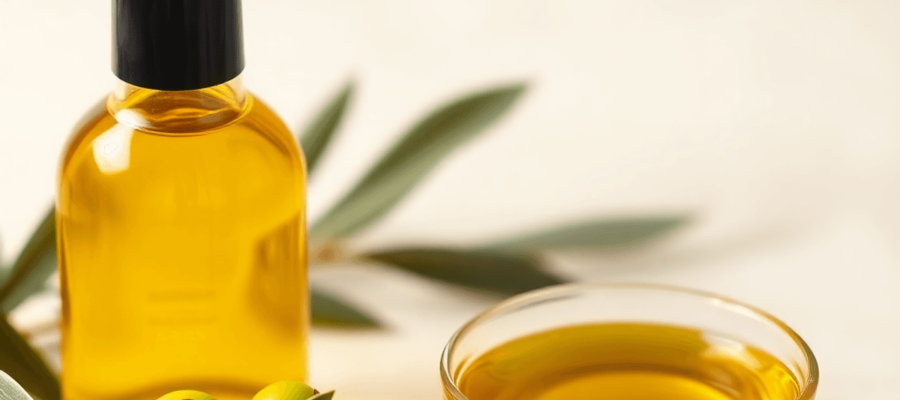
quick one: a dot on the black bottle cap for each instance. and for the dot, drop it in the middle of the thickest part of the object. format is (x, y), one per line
(177, 44)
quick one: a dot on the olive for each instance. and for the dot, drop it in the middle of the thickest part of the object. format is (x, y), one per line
(187, 395)
(285, 390)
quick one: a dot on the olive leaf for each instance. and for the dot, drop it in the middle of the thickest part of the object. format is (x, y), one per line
(412, 158)
(24, 365)
(485, 270)
(318, 134)
(323, 396)
(4, 273)
(35, 264)
(329, 310)
(594, 234)
(10, 389)
(4, 269)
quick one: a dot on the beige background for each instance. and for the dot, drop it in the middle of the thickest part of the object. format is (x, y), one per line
(774, 122)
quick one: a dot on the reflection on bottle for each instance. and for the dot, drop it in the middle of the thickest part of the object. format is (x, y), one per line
(277, 286)
(112, 149)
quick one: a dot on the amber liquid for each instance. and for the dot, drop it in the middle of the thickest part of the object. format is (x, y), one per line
(626, 362)
(181, 227)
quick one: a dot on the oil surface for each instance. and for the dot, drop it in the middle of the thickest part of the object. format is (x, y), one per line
(181, 225)
(626, 362)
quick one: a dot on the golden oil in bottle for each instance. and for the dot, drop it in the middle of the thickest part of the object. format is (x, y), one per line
(619, 361)
(181, 220)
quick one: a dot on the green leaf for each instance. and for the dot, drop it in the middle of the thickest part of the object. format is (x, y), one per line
(412, 158)
(35, 264)
(485, 270)
(10, 389)
(323, 396)
(318, 134)
(20, 361)
(4, 269)
(595, 234)
(329, 310)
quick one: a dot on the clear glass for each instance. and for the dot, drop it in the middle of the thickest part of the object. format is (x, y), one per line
(552, 309)
(182, 238)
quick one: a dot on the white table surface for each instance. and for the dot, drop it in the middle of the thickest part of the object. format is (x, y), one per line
(774, 122)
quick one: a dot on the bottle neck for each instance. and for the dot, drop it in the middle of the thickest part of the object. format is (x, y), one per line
(179, 112)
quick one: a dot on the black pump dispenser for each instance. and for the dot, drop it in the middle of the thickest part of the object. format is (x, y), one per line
(177, 44)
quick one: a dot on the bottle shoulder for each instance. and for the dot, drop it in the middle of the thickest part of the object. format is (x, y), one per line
(256, 127)
(92, 123)
(263, 120)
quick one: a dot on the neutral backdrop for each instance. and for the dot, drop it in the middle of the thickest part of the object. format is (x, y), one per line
(774, 123)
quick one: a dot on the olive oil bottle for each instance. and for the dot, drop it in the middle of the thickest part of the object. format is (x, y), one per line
(181, 219)
(626, 361)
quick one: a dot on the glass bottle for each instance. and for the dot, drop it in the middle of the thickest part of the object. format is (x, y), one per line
(181, 219)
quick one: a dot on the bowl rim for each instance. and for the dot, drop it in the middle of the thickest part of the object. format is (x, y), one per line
(807, 392)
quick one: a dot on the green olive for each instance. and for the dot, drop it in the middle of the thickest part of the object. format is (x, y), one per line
(286, 390)
(187, 395)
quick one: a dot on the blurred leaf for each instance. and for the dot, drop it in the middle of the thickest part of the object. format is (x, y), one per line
(35, 264)
(10, 389)
(485, 270)
(329, 310)
(20, 361)
(595, 234)
(4, 269)
(410, 160)
(317, 135)
(323, 396)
